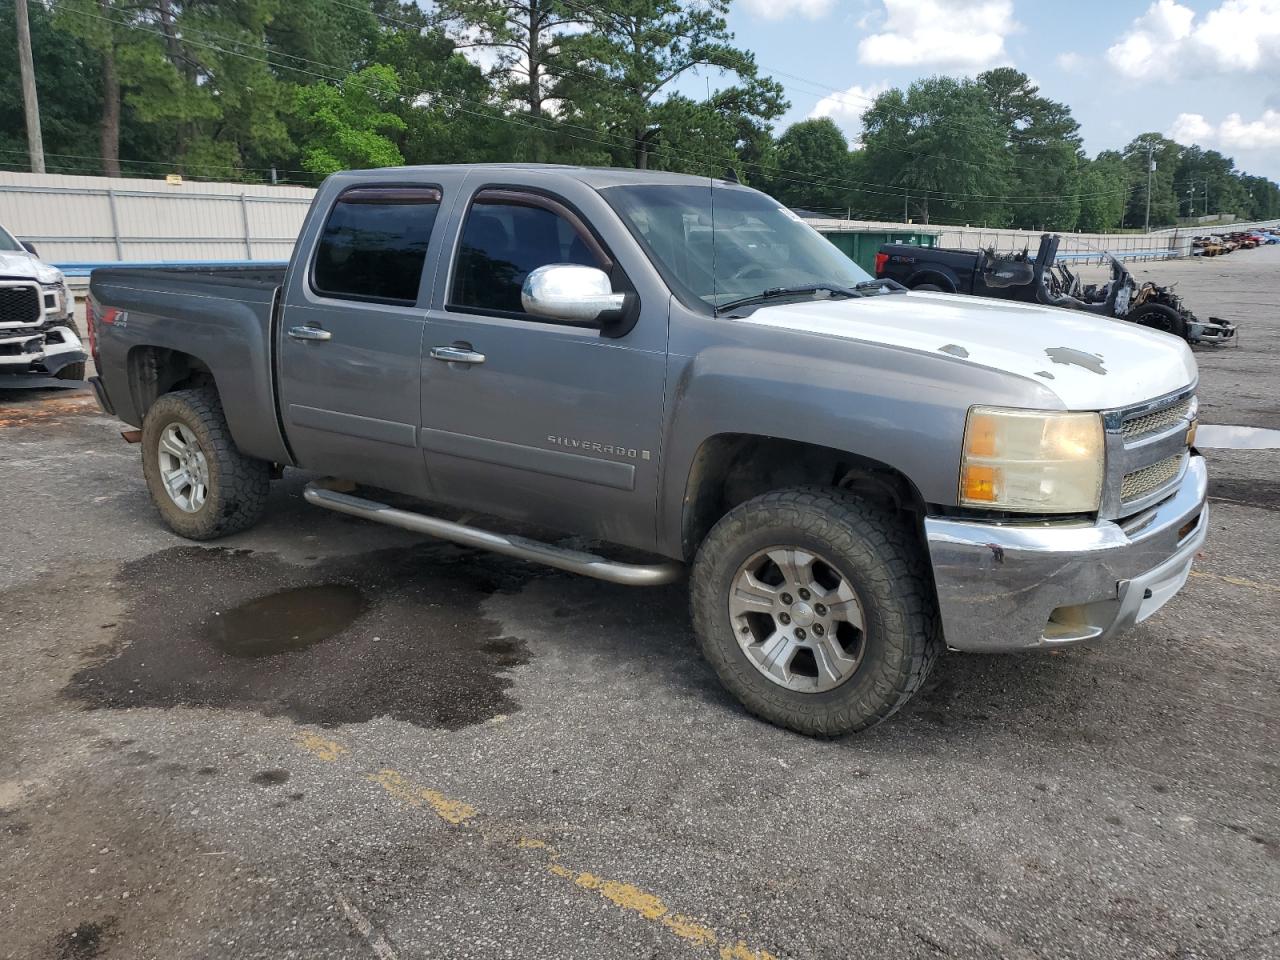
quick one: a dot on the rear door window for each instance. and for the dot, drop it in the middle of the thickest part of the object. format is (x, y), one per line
(374, 244)
(506, 236)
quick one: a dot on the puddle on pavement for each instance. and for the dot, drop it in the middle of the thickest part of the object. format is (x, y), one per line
(290, 619)
(1217, 437)
(395, 633)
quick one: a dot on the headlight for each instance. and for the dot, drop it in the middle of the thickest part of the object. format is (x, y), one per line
(1032, 461)
(56, 297)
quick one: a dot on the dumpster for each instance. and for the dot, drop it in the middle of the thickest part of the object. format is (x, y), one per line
(860, 246)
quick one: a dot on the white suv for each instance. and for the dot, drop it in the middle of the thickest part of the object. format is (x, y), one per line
(39, 342)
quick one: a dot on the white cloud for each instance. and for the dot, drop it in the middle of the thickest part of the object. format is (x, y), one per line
(781, 9)
(1238, 36)
(1069, 62)
(846, 108)
(940, 33)
(1233, 133)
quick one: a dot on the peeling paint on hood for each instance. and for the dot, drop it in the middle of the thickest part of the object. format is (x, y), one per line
(1017, 338)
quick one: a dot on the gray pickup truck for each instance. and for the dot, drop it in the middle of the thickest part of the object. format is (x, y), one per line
(854, 475)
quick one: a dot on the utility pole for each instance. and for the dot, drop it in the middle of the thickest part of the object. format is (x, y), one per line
(1151, 166)
(905, 197)
(35, 144)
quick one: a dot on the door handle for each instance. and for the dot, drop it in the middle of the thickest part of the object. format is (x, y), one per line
(309, 333)
(456, 355)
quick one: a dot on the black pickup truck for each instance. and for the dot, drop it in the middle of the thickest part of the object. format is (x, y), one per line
(1045, 279)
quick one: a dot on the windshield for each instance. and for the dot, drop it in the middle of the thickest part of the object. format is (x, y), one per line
(7, 243)
(726, 243)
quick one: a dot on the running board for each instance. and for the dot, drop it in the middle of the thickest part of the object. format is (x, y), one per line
(574, 561)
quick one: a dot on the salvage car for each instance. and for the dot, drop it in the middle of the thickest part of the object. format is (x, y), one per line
(1046, 280)
(852, 476)
(39, 342)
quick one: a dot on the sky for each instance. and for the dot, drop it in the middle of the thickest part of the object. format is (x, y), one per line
(1199, 71)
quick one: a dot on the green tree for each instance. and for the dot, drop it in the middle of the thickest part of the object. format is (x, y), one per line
(444, 98)
(812, 161)
(1164, 204)
(940, 146)
(1042, 141)
(350, 125)
(626, 65)
(66, 78)
(1104, 186)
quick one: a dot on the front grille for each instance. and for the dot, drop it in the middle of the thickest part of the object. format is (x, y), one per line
(1157, 421)
(20, 304)
(1139, 483)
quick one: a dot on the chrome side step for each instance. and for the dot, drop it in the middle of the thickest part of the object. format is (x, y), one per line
(574, 561)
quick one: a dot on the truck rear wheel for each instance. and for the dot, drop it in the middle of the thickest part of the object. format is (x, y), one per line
(202, 485)
(815, 609)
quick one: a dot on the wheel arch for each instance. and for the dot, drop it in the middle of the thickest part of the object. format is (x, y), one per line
(934, 275)
(154, 371)
(731, 468)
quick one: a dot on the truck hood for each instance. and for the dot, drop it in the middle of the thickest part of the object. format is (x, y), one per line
(23, 266)
(1089, 362)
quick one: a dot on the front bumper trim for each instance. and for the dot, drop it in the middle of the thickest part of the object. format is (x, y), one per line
(1004, 587)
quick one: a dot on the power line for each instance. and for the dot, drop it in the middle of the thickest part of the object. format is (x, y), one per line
(341, 77)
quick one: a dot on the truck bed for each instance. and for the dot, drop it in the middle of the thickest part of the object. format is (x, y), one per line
(225, 310)
(218, 280)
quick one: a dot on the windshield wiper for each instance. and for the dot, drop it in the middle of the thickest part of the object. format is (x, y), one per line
(881, 283)
(773, 293)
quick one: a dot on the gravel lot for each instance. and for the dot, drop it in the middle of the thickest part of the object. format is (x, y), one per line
(451, 755)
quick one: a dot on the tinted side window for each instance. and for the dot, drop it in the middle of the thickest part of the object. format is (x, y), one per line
(374, 243)
(502, 243)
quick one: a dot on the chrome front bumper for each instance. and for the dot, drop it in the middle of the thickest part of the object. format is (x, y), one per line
(1005, 587)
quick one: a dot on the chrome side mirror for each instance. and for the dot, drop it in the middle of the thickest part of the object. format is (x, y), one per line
(569, 292)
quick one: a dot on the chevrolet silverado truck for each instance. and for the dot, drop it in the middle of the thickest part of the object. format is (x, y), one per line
(39, 343)
(854, 476)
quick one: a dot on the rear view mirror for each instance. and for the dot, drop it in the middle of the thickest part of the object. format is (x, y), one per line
(29, 247)
(570, 293)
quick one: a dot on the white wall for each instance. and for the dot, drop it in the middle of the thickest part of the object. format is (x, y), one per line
(97, 219)
(1122, 245)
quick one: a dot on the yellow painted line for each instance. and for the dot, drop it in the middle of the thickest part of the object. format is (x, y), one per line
(414, 795)
(648, 906)
(321, 747)
(625, 896)
(1237, 581)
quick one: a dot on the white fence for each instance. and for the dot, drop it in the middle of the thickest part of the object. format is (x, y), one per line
(99, 219)
(1125, 246)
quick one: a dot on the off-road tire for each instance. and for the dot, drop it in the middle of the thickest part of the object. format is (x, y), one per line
(928, 286)
(1157, 316)
(884, 562)
(238, 485)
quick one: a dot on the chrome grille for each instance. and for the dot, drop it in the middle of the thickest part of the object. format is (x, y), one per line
(1139, 483)
(1157, 421)
(20, 303)
(1146, 452)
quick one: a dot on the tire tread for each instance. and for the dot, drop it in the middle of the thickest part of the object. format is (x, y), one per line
(239, 485)
(853, 528)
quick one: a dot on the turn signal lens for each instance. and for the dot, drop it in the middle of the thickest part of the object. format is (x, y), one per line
(978, 484)
(1032, 461)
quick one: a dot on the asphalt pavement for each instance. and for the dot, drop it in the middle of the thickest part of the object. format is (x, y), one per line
(328, 739)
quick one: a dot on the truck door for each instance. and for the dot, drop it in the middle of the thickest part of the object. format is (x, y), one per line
(531, 419)
(351, 336)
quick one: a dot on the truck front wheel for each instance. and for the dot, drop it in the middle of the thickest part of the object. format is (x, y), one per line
(202, 485)
(815, 609)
